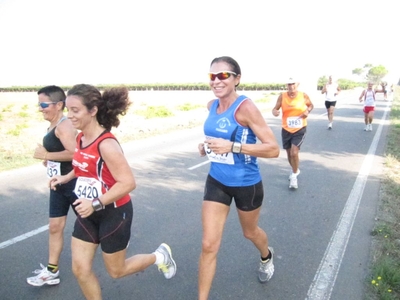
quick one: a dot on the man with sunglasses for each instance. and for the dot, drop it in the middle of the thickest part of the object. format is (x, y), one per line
(56, 152)
(295, 106)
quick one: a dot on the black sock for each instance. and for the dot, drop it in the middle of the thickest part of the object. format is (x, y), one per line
(52, 268)
(267, 258)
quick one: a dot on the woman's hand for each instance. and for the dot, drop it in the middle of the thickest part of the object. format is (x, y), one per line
(83, 207)
(219, 146)
(40, 152)
(202, 151)
(56, 181)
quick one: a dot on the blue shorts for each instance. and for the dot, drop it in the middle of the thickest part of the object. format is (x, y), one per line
(110, 227)
(247, 198)
(61, 200)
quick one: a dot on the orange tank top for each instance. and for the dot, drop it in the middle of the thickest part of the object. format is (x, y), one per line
(292, 109)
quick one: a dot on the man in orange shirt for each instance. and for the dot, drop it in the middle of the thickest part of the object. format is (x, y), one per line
(295, 106)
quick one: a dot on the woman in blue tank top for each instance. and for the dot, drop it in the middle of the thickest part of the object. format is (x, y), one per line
(231, 131)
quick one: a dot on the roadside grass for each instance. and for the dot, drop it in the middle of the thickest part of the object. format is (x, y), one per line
(384, 280)
(155, 112)
(19, 127)
(189, 106)
(22, 126)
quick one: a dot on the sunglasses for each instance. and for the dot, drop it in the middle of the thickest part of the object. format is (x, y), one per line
(221, 75)
(45, 104)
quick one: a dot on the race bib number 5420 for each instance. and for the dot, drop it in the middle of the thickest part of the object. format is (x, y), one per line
(88, 188)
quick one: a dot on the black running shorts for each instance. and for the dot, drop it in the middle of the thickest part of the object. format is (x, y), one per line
(61, 199)
(296, 138)
(110, 227)
(328, 104)
(247, 198)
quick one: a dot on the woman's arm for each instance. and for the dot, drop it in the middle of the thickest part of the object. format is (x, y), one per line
(249, 115)
(116, 162)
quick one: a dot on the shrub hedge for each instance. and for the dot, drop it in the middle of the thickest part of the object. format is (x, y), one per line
(344, 84)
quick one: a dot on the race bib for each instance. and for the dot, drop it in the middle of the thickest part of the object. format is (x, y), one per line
(226, 158)
(53, 168)
(88, 188)
(295, 122)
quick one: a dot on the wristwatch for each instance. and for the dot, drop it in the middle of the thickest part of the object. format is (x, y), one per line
(236, 147)
(97, 205)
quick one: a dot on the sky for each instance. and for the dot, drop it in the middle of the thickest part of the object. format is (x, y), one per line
(64, 42)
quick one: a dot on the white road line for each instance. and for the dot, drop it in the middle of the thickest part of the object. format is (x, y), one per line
(23, 236)
(199, 165)
(324, 280)
(46, 227)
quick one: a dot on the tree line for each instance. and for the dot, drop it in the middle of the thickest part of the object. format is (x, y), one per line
(344, 84)
(368, 73)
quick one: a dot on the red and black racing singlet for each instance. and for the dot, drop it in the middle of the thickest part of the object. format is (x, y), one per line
(94, 177)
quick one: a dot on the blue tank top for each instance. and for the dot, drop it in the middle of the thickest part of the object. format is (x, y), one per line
(245, 170)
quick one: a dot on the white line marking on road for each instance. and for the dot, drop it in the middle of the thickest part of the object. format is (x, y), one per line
(324, 280)
(23, 236)
(199, 165)
(46, 227)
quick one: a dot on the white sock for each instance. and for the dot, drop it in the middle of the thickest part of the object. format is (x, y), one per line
(159, 258)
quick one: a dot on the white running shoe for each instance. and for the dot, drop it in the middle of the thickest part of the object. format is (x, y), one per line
(369, 127)
(366, 127)
(297, 173)
(266, 269)
(330, 126)
(293, 182)
(168, 267)
(43, 277)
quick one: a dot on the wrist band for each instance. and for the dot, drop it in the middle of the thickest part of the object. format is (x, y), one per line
(97, 205)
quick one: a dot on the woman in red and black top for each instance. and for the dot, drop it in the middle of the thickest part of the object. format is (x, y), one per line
(103, 183)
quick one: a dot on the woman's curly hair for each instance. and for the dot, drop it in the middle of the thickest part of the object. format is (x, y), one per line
(112, 103)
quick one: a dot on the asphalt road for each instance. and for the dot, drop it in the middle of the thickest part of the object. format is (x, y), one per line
(320, 232)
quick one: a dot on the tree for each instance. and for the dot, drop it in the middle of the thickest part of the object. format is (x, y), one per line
(371, 73)
(358, 71)
(376, 74)
(322, 81)
(344, 84)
